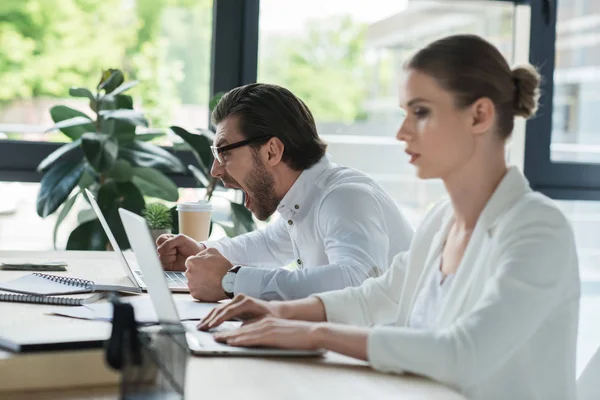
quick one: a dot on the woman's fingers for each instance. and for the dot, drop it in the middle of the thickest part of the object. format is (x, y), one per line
(258, 328)
(210, 320)
(239, 310)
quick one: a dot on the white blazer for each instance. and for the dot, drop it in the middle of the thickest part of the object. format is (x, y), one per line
(509, 327)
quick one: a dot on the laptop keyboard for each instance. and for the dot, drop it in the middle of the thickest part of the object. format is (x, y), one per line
(174, 279)
(205, 339)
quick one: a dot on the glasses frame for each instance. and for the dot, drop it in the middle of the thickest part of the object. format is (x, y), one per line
(216, 151)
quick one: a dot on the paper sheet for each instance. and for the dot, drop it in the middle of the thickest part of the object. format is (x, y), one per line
(143, 309)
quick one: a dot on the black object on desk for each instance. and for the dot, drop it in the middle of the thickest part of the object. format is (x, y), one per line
(152, 363)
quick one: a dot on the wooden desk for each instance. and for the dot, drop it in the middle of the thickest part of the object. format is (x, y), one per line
(334, 376)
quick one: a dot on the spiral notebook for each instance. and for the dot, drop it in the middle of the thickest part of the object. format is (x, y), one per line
(49, 285)
(50, 300)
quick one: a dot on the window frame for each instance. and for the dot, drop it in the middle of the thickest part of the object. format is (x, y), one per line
(558, 180)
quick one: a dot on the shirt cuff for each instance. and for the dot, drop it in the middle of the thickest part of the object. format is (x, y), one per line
(249, 281)
(340, 308)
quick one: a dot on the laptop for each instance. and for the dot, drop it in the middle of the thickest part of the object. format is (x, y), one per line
(200, 343)
(176, 281)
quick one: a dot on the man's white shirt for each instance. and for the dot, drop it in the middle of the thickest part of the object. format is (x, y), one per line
(337, 224)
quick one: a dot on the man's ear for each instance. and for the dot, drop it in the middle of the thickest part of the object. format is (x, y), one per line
(483, 115)
(275, 150)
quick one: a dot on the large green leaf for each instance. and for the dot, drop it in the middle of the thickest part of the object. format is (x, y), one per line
(101, 150)
(242, 219)
(150, 134)
(82, 92)
(202, 179)
(123, 101)
(123, 130)
(68, 123)
(87, 179)
(62, 113)
(142, 154)
(121, 171)
(56, 185)
(131, 117)
(114, 195)
(58, 154)
(154, 183)
(64, 211)
(87, 214)
(200, 145)
(88, 236)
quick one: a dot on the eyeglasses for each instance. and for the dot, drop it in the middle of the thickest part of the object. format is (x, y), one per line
(218, 151)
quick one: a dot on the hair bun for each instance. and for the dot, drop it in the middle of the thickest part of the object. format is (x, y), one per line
(527, 82)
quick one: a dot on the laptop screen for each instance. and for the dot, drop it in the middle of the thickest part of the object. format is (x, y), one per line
(111, 238)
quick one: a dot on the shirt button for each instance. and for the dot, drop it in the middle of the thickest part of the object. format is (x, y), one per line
(290, 222)
(296, 206)
(299, 261)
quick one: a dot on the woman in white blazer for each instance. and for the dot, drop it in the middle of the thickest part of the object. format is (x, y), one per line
(486, 300)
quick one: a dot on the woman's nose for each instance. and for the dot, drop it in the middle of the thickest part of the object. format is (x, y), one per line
(403, 133)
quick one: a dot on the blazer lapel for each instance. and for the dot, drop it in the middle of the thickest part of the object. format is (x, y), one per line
(510, 190)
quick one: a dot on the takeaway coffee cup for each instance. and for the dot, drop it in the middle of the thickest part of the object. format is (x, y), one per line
(194, 219)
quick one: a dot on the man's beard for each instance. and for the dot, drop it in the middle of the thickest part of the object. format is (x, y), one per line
(261, 189)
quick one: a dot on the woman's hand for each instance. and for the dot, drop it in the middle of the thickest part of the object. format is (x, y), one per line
(245, 308)
(274, 332)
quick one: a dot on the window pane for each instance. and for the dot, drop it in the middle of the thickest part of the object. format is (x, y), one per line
(46, 47)
(344, 59)
(575, 135)
(585, 218)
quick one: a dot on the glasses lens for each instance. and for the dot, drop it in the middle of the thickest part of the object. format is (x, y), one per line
(216, 154)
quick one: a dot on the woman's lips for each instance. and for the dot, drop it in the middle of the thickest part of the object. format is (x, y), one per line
(413, 156)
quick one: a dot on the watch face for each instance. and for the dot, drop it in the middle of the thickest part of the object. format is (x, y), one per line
(228, 281)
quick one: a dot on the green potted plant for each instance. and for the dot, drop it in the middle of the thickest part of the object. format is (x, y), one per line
(158, 217)
(240, 219)
(106, 156)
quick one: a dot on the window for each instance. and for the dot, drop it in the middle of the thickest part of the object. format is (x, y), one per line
(47, 47)
(344, 59)
(585, 218)
(575, 134)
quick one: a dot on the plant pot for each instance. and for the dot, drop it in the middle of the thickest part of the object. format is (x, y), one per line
(157, 232)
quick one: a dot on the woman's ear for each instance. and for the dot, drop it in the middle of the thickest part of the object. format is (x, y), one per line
(275, 148)
(483, 116)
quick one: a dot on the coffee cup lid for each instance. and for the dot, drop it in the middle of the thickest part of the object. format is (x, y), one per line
(195, 206)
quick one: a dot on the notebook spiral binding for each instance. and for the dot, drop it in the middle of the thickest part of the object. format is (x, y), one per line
(66, 280)
(30, 298)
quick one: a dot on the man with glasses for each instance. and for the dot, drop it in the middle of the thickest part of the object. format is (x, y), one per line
(335, 224)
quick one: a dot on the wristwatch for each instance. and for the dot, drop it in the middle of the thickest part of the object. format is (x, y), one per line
(228, 281)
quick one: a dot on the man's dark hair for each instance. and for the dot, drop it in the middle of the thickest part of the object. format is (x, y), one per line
(269, 110)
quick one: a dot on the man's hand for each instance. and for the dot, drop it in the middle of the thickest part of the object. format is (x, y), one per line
(204, 273)
(241, 307)
(173, 250)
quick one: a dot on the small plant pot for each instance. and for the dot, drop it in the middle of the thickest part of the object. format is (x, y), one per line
(157, 232)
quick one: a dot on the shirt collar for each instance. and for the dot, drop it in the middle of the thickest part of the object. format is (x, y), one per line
(298, 200)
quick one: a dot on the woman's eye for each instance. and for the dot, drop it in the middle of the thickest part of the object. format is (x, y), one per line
(421, 112)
